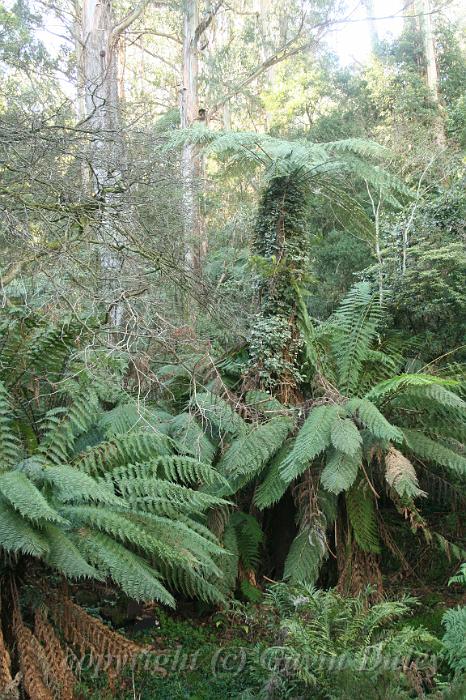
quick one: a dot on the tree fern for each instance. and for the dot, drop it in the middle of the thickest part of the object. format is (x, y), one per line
(365, 411)
(305, 557)
(313, 438)
(250, 453)
(431, 450)
(340, 471)
(361, 513)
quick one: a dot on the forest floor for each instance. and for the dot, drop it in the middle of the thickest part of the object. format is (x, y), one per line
(205, 655)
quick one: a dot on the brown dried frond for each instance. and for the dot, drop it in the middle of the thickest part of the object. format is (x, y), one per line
(63, 678)
(398, 467)
(91, 635)
(5, 665)
(31, 661)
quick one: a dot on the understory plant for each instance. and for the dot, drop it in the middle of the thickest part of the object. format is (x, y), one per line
(325, 645)
(83, 499)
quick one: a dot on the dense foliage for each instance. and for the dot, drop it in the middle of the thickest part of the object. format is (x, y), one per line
(232, 347)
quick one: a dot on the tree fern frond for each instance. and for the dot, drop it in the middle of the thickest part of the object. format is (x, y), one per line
(345, 436)
(361, 513)
(73, 486)
(128, 571)
(21, 493)
(370, 416)
(17, 535)
(9, 443)
(433, 451)
(249, 453)
(272, 486)
(401, 475)
(305, 557)
(136, 447)
(64, 556)
(357, 319)
(340, 471)
(312, 439)
(405, 381)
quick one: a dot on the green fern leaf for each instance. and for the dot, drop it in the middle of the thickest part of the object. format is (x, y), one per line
(17, 535)
(21, 493)
(273, 485)
(312, 439)
(361, 512)
(340, 471)
(249, 453)
(345, 436)
(365, 411)
(428, 449)
(305, 557)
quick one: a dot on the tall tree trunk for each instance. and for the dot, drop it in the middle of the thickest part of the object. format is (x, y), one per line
(99, 66)
(191, 161)
(369, 5)
(424, 12)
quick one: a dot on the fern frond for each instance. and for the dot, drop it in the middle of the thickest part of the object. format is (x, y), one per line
(64, 556)
(9, 443)
(357, 319)
(312, 439)
(128, 571)
(345, 436)
(17, 535)
(365, 411)
(248, 454)
(401, 475)
(361, 513)
(305, 557)
(21, 493)
(272, 486)
(136, 447)
(433, 451)
(340, 471)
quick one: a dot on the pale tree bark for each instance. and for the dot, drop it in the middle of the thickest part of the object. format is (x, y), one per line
(190, 112)
(424, 11)
(99, 66)
(369, 5)
(99, 84)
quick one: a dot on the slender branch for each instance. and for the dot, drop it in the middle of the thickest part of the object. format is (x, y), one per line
(133, 16)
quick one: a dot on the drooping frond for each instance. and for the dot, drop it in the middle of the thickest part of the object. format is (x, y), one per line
(129, 571)
(345, 436)
(401, 475)
(361, 512)
(249, 453)
(365, 411)
(340, 471)
(312, 439)
(272, 486)
(305, 556)
(434, 451)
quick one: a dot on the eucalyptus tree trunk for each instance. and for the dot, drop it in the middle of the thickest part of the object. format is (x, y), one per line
(424, 12)
(191, 160)
(369, 5)
(99, 80)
